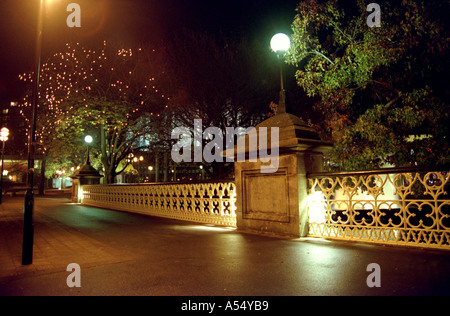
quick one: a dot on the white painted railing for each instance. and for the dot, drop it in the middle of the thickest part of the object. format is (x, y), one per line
(392, 207)
(209, 203)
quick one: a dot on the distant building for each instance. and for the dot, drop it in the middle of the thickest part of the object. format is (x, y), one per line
(16, 147)
(11, 117)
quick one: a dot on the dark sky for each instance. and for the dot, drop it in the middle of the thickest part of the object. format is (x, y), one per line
(129, 21)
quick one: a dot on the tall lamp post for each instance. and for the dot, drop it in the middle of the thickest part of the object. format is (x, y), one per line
(88, 140)
(28, 229)
(4, 133)
(150, 169)
(281, 43)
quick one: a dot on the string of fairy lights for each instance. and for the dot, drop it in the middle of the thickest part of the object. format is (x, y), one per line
(75, 83)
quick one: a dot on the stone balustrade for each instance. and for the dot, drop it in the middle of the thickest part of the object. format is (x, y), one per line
(208, 203)
(397, 207)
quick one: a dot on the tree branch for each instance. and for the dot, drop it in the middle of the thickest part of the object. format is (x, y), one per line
(322, 55)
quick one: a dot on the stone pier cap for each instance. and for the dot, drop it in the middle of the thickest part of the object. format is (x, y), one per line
(293, 135)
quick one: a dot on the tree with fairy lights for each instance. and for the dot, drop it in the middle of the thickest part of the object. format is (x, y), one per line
(108, 92)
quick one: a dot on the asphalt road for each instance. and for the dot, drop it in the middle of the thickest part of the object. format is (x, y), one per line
(127, 254)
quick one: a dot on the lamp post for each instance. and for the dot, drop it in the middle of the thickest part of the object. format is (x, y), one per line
(28, 229)
(138, 161)
(141, 158)
(4, 133)
(281, 43)
(202, 171)
(88, 140)
(150, 169)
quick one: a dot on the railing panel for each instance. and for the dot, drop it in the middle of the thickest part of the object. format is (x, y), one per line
(210, 203)
(406, 208)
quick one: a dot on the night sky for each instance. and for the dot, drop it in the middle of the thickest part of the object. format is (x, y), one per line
(129, 22)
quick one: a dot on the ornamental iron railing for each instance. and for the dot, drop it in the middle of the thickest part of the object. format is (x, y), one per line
(393, 206)
(208, 203)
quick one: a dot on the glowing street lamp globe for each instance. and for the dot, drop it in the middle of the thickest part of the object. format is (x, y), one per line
(4, 133)
(88, 139)
(280, 42)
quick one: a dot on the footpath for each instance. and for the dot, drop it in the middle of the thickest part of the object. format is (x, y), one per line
(127, 254)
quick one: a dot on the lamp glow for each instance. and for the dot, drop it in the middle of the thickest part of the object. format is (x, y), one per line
(88, 139)
(280, 42)
(4, 133)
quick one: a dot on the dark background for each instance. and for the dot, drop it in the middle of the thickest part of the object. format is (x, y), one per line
(129, 22)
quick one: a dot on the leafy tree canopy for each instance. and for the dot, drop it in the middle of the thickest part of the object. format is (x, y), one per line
(382, 91)
(107, 92)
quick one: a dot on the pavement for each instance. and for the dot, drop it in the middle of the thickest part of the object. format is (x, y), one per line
(125, 254)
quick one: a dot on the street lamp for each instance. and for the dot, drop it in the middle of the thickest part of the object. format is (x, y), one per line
(281, 43)
(4, 133)
(28, 229)
(138, 161)
(88, 140)
(150, 169)
(202, 172)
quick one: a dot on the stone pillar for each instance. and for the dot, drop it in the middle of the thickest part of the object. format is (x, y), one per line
(86, 175)
(275, 203)
(75, 189)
